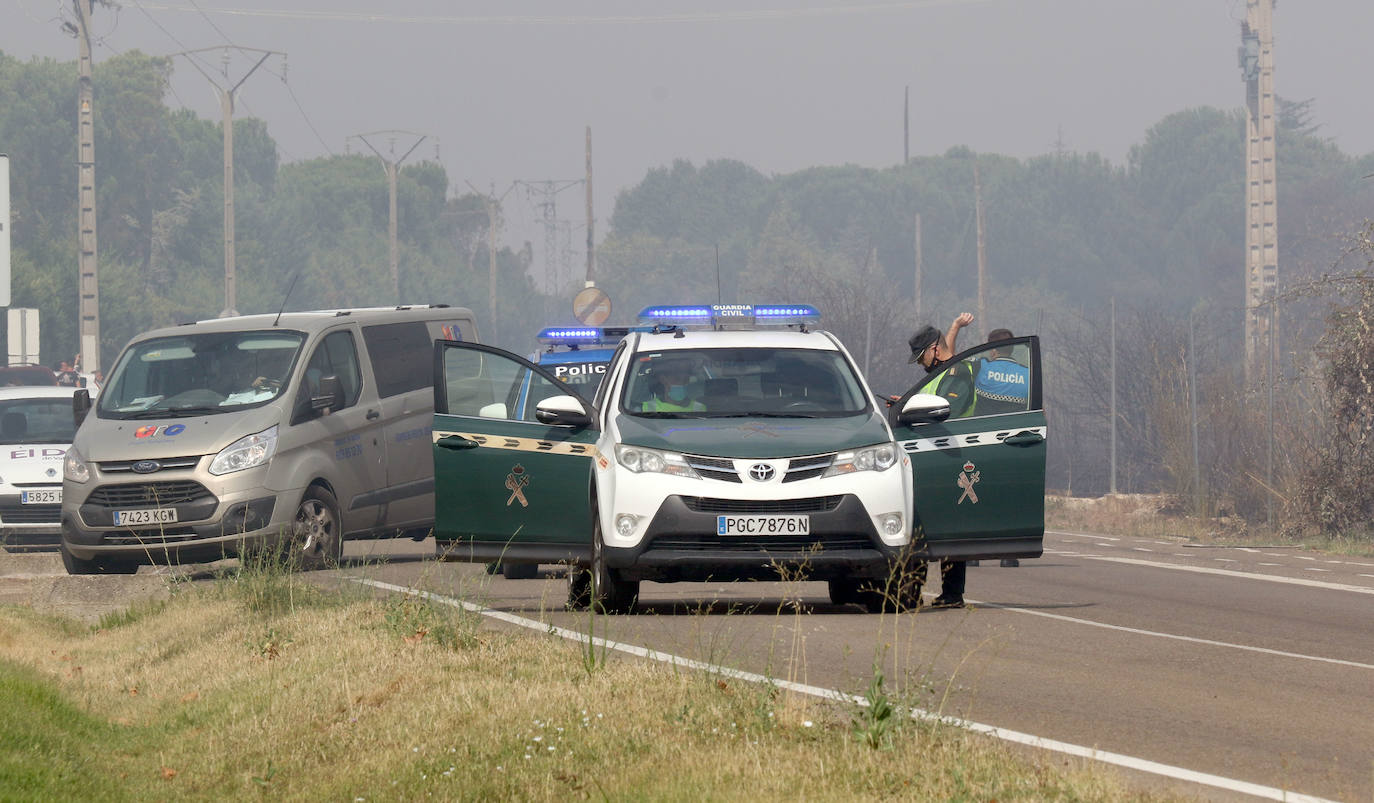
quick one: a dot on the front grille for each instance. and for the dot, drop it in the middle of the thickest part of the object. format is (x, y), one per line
(793, 544)
(30, 514)
(714, 468)
(805, 468)
(160, 494)
(817, 504)
(150, 537)
(166, 463)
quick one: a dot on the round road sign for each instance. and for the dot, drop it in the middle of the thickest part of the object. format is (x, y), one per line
(592, 306)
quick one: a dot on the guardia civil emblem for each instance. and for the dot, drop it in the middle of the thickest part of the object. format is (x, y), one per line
(516, 481)
(966, 480)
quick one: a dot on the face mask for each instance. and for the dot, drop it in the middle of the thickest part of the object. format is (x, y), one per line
(677, 392)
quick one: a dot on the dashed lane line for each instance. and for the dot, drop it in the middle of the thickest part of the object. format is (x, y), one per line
(1067, 748)
(1270, 578)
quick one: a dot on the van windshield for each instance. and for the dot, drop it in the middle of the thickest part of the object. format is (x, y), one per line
(40, 420)
(200, 374)
(743, 382)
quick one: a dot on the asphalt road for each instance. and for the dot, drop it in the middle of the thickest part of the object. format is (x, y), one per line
(1254, 664)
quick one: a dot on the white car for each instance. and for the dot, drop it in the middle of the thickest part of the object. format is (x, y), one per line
(36, 429)
(729, 442)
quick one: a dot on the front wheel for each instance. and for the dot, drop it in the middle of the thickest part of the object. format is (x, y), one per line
(317, 532)
(75, 565)
(600, 585)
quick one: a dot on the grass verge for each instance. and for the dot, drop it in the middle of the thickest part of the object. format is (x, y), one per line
(214, 694)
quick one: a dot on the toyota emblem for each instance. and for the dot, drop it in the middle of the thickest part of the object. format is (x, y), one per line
(761, 472)
(146, 466)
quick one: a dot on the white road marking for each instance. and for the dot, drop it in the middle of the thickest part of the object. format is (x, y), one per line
(1315, 569)
(1224, 560)
(1067, 748)
(1142, 549)
(1182, 555)
(1271, 564)
(1082, 535)
(1176, 637)
(1271, 578)
(1335, 561)
(1367, 575)
(1303, 557)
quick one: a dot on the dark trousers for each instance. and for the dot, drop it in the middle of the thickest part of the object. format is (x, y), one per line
(952, 578)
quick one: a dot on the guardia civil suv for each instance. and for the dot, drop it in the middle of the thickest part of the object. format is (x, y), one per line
(726, 442)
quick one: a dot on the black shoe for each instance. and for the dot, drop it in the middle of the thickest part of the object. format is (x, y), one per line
(947, 602)
(1010, 563)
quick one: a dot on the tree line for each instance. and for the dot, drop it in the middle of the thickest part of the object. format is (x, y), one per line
(1067, 233)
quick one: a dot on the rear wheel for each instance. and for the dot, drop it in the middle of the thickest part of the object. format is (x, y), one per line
(600, 585)
(317, 532)
(520, 571)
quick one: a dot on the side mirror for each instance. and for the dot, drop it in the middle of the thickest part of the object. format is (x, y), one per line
(924, 408)
(81, 405)
(330, 397)
(562, 411)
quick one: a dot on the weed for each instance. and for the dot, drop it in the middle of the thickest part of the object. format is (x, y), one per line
(418, 620)
(875, 721)
(138, 611)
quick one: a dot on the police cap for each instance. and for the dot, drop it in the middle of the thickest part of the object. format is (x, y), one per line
(922, 340)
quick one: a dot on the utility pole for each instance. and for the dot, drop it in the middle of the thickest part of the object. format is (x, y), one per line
(493, 205)
(906, 126)
(226, 105)
(920, 268)
(591, 247)
(391, 166)
(982, 251)
(87, 265)
(1111, 483)
(1261, 223)
(547, 189)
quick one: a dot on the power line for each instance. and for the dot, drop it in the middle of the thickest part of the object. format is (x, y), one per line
(308, 122)
(622, 19)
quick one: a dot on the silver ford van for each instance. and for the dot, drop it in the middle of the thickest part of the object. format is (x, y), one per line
(304, 429)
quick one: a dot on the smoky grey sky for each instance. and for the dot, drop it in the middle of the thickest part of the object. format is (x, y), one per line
(507, 86)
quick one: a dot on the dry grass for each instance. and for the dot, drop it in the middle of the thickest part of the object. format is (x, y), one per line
(352, 698)
(1161, 516)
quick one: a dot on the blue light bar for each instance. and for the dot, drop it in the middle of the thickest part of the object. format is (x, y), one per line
(586, 335)
(725, 314)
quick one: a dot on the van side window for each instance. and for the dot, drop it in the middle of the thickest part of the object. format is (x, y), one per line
(400, 354)
(336, 355)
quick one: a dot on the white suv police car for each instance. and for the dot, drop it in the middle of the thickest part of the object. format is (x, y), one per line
(726, 442)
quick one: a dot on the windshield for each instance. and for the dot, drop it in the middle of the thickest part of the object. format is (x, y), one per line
(45, 420)
(741, 382)
(200, 374)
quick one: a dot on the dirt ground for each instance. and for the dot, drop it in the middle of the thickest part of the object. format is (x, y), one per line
(37, 579)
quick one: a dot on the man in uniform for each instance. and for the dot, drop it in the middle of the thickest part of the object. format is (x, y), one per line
(955, 384)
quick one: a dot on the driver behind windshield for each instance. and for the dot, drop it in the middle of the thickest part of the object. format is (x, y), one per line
(670, 383)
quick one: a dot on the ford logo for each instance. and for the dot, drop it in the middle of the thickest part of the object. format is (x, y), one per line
(146, 466)
(761, 472)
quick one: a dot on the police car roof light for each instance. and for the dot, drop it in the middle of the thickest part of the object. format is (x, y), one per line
(723, 314)
(573, 336)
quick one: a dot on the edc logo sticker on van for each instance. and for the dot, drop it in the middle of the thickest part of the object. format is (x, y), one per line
(167, 430)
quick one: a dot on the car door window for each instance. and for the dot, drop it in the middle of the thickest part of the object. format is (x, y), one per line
(399, 353)
(494, 385)
(992, 379)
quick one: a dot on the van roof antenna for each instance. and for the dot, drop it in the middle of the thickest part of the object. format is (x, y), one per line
(289, 288)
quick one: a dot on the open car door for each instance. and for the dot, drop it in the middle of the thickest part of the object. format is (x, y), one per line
(978, 475)
(506, 486)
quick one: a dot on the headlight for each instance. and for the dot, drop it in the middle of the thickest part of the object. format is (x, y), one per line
(652, 461)
(874, 458)
(74, 467)
(246, 452)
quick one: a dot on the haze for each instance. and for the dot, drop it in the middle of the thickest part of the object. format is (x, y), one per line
(506, 88)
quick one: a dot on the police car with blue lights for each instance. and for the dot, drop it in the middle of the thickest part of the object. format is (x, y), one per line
(729, 442)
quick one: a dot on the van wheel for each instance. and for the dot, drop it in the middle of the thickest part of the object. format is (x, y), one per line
(75, 565)
(317, 531)
(599, 585)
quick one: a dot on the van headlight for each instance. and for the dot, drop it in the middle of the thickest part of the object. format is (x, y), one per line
(652, 461)
(74, 467)
(874, 458)
(246, 452)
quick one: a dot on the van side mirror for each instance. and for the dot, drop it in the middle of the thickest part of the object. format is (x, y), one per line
(81, 405)
(330, 396)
